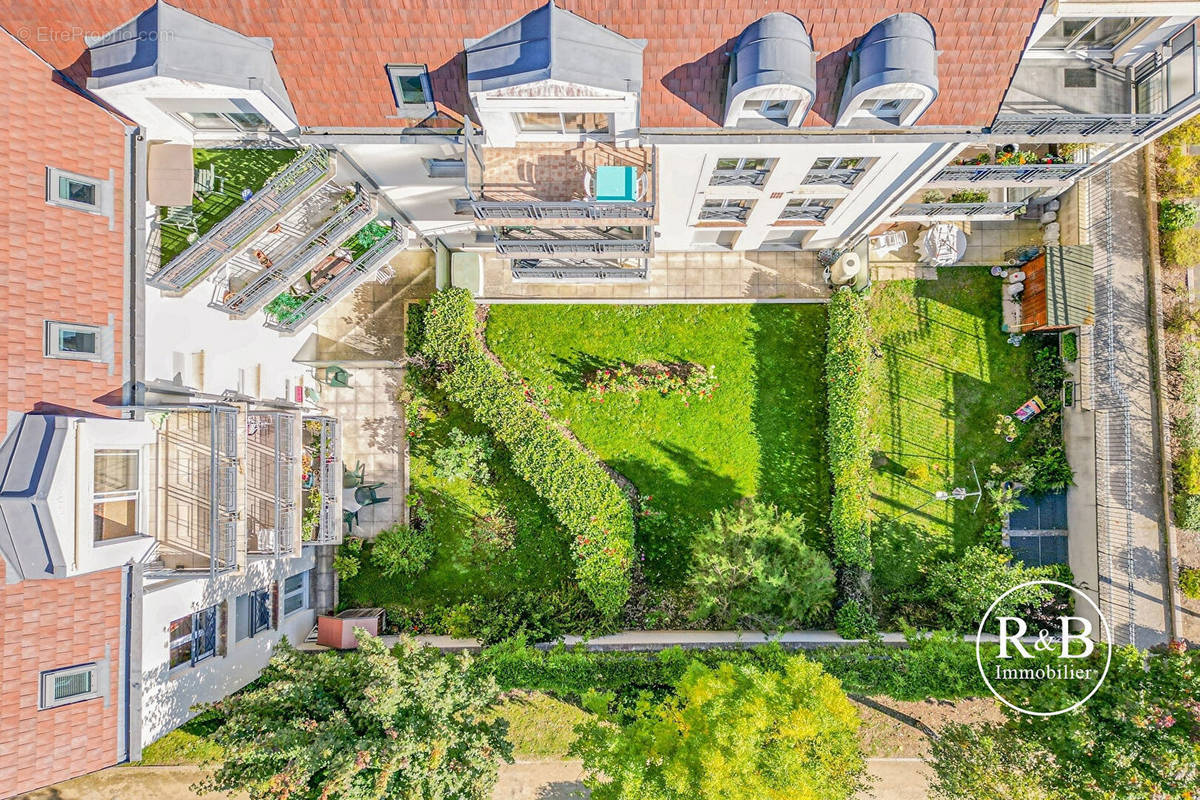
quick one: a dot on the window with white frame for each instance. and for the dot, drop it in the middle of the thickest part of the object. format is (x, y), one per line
(116, 487)
(410, 87)
(1089, 33)
(75, 341)
(565, 123)
(838, 170)
(252, 614)
(809, 208)
(193, 638)
(238, 121)
(741, 171)
(59, 687)
(295, 593)
(71, 190)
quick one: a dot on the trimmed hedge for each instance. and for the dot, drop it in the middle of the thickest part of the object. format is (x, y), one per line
(581, 494)
(848, 435)
(942, 666)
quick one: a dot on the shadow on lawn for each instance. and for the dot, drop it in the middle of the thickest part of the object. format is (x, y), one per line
(665, 535)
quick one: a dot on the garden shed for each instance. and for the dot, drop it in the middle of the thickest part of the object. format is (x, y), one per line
(1060, 290)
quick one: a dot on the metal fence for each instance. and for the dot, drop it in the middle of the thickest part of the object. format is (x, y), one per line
(1019, 173)
(1114, 437)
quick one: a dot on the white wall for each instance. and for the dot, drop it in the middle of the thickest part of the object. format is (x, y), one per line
(685, 170)
(168, 695)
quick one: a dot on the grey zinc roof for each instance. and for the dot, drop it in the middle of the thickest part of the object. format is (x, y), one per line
(28, 458)
(167, 41)
(551, 43)
(1070, 286)
(899, 49)
(775, 48)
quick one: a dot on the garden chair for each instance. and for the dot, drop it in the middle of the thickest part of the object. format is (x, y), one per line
(334, 376)
(353, 477)
(350, 518)
(182, 217)
(366, 496)
(206, 181)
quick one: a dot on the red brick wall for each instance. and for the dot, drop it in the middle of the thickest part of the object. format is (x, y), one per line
(48, 624)
(58, 263)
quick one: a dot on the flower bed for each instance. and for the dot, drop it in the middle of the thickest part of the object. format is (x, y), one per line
(683, 379)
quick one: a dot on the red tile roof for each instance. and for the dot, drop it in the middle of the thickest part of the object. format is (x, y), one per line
(332, 53)
(57, 263)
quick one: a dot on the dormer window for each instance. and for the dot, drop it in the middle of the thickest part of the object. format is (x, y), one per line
(771, 74)
(892, 75)
(411, 89)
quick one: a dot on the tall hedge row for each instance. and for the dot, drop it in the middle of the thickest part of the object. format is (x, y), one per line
(847, 352)
(583, 497)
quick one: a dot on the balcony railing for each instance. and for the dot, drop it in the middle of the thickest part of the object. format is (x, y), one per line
(225, 238)
(725, 213)
(359, 269)
(280, 429)
(616, 247)
(582, 270)
(809, 212)
(284, 270)
(958, 210)
(832, 177)
(573, 209)
(327, 471)
(1076, 125)
(1017, 173)
(738, 177)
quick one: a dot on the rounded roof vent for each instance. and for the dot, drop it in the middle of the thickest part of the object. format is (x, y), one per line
(899, 51)
(772, 61)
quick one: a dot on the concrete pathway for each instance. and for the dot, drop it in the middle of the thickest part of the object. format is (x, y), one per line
(1131, 552)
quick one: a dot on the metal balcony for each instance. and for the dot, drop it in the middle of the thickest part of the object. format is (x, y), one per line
(323, 440)
(738, 177)
(1008, 173)
(285, 269)
(272, 482)
(580, 242)
(957, 210)
(228, 236)
(584, 269)
(832, 177)
(724, 214)
(575, 209)
(810, 212)
(329, 294)
(1071, 127)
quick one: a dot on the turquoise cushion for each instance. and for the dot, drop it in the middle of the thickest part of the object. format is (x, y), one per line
(616, 184)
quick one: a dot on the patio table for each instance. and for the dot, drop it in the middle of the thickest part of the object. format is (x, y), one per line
(942, 245)
(349, 502)
(616, 184)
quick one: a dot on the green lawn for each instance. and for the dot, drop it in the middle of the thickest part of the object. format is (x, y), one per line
(241, 169)
(761, 434)
(539, 561)
(539, 726)
(943, 370)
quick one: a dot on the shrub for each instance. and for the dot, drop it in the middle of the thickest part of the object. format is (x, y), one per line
(1174, 216)
(1051, 471)
(854, 621)
(583, 497)
(1187, 511)
(346, 562)
(1189, 582)
(685, 380)
(962, 590)
(933, 196)
(917, 473)
(401, 550)
(1070, 347)
(752, 563)
(463, 457)
(284, 307)
(848, 430)
(1181, 248)
(969, 196)
(1048, 373)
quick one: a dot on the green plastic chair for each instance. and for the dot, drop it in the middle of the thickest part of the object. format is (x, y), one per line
(366, 496)
(334, 376)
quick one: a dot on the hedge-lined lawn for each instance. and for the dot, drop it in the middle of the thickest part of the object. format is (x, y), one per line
(943, 370)
(539, 561)
(761, 434)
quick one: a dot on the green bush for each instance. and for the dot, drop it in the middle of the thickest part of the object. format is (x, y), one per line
(969, 196)
(1173, 216)
(854, 621)
(962, 590)
(583, 497)
(848, 428)
(464, 457)
(752, 565)
(346, 562)
(1051, 471)
(1189, 582)
(940, 666)
(401, 550)
(1187, 511)
(1070, 347)
(1181, 248)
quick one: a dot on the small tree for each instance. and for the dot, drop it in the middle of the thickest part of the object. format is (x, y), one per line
(402, 550)
(752, 562)
(365, 725)
(464, 457)
(964, 589)
(734, 733)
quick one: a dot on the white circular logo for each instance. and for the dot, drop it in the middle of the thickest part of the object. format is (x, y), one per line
(1056, 654)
